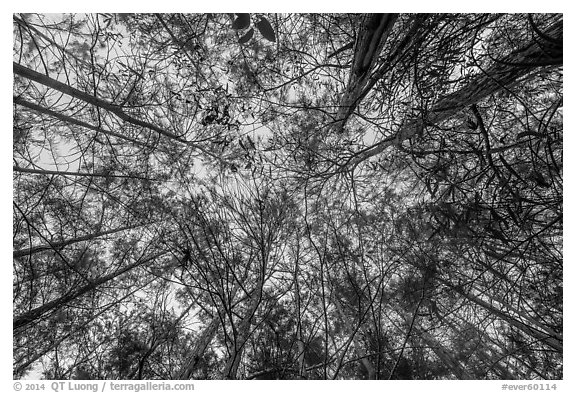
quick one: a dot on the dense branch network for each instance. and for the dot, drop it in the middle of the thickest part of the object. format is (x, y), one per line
(288, 196)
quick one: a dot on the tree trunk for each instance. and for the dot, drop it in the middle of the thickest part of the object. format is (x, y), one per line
(361, 354)
(522, 315)
(70, 120)
(490, 358)
(504, 74)
(115, 109)
(553, 340)
(243, 332)
(199, 348)
(443, 354)
(28, 317)
(49, 172)
(73, 92)
(299, 337)
(61, 244)
(369, 43)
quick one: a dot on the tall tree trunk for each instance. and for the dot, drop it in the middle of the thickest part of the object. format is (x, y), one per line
(299, 336)
(242, 335)
(20, 368)
(443, 354)
(61, 244)
(504, 74)
(115, 109)
(203, 341)
(70, 120)
(552, 339)
(73, 92)
(28, 317)
(490, 358)
(199, 348)
(357, 346)
(525, 318)
(49, 172)
(370, 40)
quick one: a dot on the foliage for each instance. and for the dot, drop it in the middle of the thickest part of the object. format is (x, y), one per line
(288, 196)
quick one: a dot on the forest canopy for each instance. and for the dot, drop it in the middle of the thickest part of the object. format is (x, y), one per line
(287, 196)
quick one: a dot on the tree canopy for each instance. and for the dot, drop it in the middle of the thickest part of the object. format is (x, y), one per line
(287, 196)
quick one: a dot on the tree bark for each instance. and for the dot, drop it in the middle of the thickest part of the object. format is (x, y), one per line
(30, 316)
(243, 332)
(199, 348)
(115, 109)
(553, 340)
(459, 371)
(61, 244)
(361, 354)
(369, 43)
(68, 173)
(504, 74)
(70, 120)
